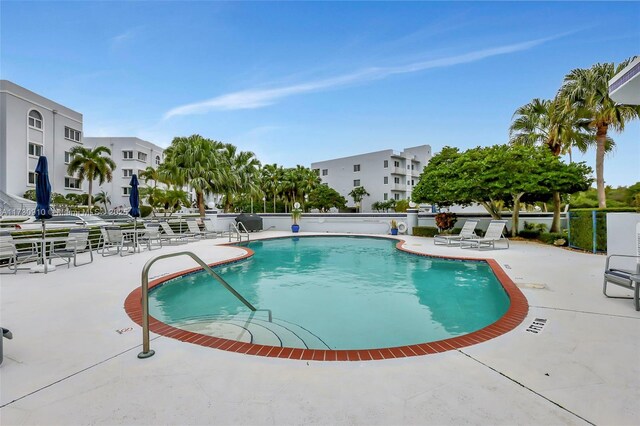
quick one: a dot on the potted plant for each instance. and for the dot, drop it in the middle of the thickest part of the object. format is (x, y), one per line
(394, 227)
(296, 213)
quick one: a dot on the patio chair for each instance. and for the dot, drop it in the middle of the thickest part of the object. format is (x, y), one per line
(151, 236)
(493, 235)
(9, 250)
(467, 231)
(195, 229)
(210, 227)
(77, 242)
(170, 236)
(624, 276)
(113, 238)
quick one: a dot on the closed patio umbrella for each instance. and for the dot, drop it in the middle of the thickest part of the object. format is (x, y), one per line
(43, 202)
(134, 200)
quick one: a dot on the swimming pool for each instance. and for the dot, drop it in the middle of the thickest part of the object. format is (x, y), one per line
(340, 293)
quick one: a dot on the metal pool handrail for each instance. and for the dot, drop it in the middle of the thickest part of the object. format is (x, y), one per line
(146, 350)
(236, 228)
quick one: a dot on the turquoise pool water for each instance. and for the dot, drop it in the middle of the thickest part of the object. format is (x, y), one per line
(335, 293)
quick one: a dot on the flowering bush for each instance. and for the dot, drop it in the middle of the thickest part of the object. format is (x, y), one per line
(445, 221)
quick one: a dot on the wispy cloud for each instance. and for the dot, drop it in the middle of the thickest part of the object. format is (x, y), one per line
(257, 98)
(122, 38)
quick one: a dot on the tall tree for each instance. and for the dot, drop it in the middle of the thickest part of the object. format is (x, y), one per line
(547, 122)
(588, 89)
(358, 193)
(103, 197)
(194, 161)
(90, 164)
(324, 198)
(240, 174)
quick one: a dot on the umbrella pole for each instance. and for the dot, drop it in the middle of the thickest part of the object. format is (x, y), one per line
(44, 248)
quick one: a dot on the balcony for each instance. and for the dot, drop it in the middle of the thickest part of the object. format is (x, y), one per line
(398, 187)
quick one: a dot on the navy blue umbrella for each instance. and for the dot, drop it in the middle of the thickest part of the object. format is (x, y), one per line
(134, 197)
(43, 190)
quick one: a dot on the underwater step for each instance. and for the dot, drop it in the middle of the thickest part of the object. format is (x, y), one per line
(253, 329)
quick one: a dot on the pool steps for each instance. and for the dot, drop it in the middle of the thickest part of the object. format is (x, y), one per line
(253, 329)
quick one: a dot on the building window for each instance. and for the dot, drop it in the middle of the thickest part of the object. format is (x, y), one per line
(126, 190)
(356, 167)
(412, 182)
(127, 173)
(157, 160)
(67, 157)
(412, 167)
(396, 164)
(396, 180)
(127, 155)
(386, 163)
(71, 183)
(32, 178)
(35, 149)
(385, 196)
(325, 172)
(142, 156)
(71, 134)
(386, 180)
(356, 182)
(396, 197)
(35, 119)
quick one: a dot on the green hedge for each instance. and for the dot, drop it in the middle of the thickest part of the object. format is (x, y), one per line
(530, 234)
(581, 227)
(551, 237)
(425, 231)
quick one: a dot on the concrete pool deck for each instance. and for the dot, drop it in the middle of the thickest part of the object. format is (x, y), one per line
(73, 357)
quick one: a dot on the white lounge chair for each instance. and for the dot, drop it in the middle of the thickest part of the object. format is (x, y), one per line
(467, 231)
(195, 229)
(210, 227)
(624, 276)
(112, 237)
(170, 235)
(493, 235)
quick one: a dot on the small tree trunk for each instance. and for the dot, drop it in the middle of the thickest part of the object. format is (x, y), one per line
(515, 217)
(601, 138)
(200, 202)
(90, 191)
(555, 224)
(274, 202)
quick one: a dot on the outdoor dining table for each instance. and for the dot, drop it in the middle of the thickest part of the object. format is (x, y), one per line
(42, 252)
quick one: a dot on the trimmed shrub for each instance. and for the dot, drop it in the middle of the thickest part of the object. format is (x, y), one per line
(425, 231)
(529, 233)
(145, 211)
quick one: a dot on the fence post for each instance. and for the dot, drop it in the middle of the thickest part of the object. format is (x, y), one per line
(593, 230)
(568, 228)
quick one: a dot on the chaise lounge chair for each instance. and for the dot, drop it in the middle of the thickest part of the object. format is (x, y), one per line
(195, 229)
(170, 235)
(467, 231)
(624, 276)
(491, 237)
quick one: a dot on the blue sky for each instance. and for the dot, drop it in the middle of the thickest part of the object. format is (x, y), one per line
(303, 82)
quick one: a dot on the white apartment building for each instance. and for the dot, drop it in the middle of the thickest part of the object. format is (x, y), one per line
(132, 156)
(32, 125)
(384, 174)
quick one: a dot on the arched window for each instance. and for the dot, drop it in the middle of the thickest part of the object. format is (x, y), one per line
(35, 119)
(157, 160)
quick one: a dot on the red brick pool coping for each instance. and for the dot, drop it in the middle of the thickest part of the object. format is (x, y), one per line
(511, 319)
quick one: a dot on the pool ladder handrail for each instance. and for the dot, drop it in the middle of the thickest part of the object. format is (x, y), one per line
(146, 350)
(239, 229)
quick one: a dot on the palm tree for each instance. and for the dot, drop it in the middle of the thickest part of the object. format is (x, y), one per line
(308, 181)
(547, 122)
(194, 161)
(358, 193)
(271, 177)
(152, 174)
(240, 174)
(90, 164)
(103, 197)
(588, 89)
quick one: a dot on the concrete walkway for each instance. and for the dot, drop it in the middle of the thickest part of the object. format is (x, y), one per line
(73, 357)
